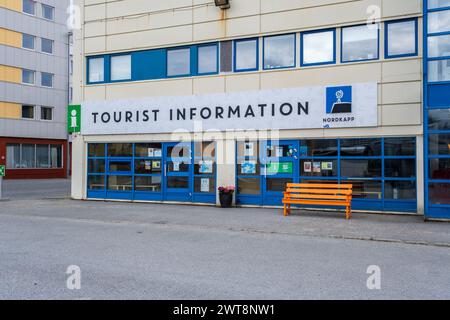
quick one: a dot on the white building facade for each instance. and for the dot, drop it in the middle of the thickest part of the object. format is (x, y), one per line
(180, 97)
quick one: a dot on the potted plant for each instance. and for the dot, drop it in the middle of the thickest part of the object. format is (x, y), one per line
(226, 196)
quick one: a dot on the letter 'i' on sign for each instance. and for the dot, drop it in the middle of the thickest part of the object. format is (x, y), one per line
(74, 118)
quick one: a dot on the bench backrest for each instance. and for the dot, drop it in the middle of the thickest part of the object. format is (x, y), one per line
(320, 189)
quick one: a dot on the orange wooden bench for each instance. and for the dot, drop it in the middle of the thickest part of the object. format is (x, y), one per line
(338, 195)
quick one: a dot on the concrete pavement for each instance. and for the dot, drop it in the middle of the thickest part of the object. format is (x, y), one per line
(151, 251)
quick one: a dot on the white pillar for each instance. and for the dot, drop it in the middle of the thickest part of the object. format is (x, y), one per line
(420, 176)
(78, 167)
(226, 162)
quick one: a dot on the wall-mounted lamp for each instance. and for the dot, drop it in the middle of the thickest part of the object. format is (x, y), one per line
(223, 4)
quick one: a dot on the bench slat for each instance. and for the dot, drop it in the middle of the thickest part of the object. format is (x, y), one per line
(318, 185)
(316, 191)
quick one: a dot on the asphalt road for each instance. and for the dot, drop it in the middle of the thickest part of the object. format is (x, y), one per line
(138, 251)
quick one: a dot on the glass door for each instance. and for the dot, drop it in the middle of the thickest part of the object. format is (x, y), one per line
(178, 171)
(279, 163)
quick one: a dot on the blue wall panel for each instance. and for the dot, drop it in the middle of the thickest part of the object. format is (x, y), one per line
(149, 65)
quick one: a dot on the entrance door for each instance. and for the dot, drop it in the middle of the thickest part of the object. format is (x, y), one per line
(280, 165)
(178, 172)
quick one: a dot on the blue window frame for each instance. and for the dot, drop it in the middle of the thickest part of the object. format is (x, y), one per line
(97, 69)
(208, 59)
(279, 52)
(246, 55)
(382, 170)
(437, 108)
(360, 43)
(318, 47)
(152, 171)
(401, 38)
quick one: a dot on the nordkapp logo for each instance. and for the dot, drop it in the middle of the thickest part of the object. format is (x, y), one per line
(339, 100)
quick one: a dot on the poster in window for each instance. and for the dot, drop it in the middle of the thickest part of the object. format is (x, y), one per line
(176, 166)
(157, 153)
(156, 164)
(316, 167)
(307, 167)
(327, 166)
(204, 185)
(206, 166)
(248, 167)
(151, 152)
(148, 165)
(249, 149)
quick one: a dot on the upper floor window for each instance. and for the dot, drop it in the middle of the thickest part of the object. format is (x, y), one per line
(401, 38)
(318, 47)
(434, 4)
(47, 46)
(121, 67)
(439, 70)
(279, 51)
(27, 112)
(439, 46)
(179, 62)
(46, 79)
(360, 43)
(246, 55)
(207, 59)
(439, 21)
(29, 6)
(46, 113)
(48, 12)
(27, 76)
(96, 70)
(28, 41)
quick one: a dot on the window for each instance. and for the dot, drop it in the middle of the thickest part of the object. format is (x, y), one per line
(360, 43)
(246, 55)
(207, 59)
(401, 38)
(46, 113)
(46, 79)
(439, 46)
(27, 112)
(47, 46)
(28, 41)
(96, 70)
(179, 62)
(121, 68)
(439, 119)
(42, 160)
(120, 150)
(13, 156)
(439, 21)
(27, 76)
(29, 6)
(56, 158)
(434, 4)
(439, 70)
(28, 156)
(318, 47)
(279, 51)
(48, 12)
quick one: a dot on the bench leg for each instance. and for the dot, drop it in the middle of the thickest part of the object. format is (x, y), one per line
(285, 210)
(348, 213)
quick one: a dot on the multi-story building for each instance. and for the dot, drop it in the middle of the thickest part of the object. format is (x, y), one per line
(180, 97)
(34, 88)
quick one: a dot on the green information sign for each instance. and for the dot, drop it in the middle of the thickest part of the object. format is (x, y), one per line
(74, 119)
(280, 168)
(2, 171)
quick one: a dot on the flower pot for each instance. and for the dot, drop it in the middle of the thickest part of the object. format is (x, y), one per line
(226, 200)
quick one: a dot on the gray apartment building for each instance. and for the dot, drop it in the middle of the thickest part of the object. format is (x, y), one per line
(34, 88)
